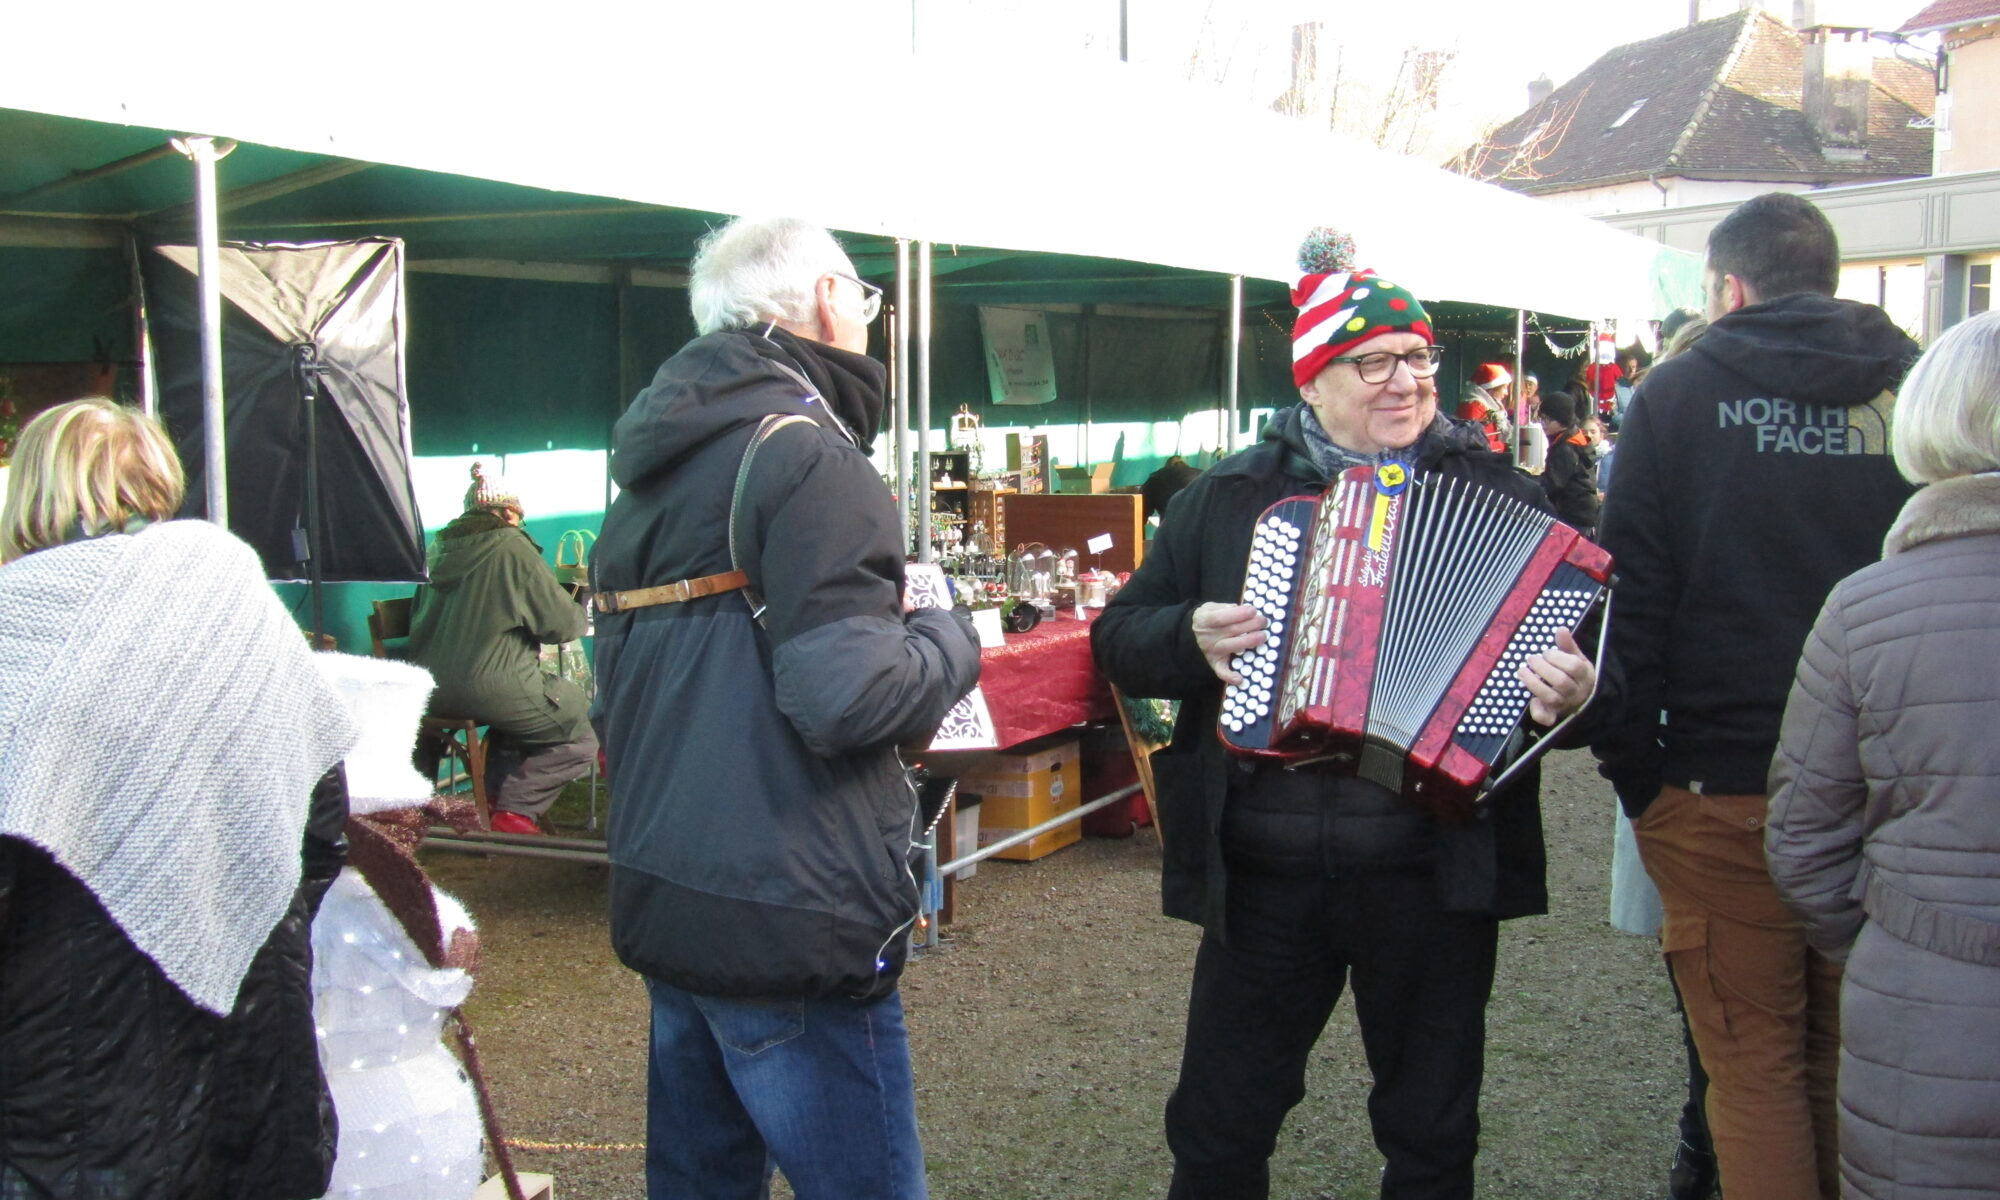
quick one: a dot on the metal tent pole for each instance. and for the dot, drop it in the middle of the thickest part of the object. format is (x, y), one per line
(925, 297)
(1520, 378)
(1234, 373)
(205, 152)
(1590, 401)
(900, 469)
(142, 332)
(921, 483)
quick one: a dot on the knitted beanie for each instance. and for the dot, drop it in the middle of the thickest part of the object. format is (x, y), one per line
(1341, 307)
(489, 493)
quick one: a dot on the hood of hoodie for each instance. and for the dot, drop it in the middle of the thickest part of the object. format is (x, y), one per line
(733, 377)
(463, 546)
(1811, 348)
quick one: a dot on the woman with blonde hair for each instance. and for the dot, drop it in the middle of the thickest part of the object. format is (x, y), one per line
(1884, 823)
(168, 823)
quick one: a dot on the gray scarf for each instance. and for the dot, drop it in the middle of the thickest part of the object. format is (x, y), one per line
(1332, 458)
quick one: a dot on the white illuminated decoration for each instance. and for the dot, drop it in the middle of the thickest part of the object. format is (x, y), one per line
(409, 1121)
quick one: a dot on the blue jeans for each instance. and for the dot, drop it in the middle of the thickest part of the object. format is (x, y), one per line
(819, 1089)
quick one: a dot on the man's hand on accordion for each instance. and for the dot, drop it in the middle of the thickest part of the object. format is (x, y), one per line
(1225, 630)
(1559, 680)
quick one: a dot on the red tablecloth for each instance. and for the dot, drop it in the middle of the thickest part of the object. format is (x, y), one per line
(1043, 681)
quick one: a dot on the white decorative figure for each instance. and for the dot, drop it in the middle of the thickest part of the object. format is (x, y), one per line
(409, 1119)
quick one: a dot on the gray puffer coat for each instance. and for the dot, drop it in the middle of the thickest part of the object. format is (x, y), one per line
(1884, 837)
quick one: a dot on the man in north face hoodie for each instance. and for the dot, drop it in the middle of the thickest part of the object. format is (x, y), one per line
(1753, 474)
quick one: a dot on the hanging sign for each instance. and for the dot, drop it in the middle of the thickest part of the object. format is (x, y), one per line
(1019, 367)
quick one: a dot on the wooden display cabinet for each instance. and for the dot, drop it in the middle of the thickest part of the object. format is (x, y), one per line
(1069, 522)
(950, 502)
(987, 507)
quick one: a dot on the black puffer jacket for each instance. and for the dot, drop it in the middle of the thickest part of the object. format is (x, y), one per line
(1219, 812)
(115, 1086)
(762, 824)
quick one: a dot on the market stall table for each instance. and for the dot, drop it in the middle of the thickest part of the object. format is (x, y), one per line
(1038, 683)
(1043, 681)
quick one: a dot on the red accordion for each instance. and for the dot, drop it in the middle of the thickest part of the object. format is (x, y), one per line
(1400, 609)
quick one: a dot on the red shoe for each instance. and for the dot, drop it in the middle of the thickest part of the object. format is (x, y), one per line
(513, 822)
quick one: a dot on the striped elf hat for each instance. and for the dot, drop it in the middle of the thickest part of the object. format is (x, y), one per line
(1340, 307)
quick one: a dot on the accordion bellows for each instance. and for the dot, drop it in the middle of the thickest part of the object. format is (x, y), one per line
(1399, 610)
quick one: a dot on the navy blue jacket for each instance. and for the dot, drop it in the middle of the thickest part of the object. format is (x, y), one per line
(762, 824)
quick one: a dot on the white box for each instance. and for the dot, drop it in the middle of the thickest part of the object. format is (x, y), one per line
(965, 835)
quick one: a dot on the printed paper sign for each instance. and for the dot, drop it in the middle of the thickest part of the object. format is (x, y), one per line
(1099, 544)
(1019, 367)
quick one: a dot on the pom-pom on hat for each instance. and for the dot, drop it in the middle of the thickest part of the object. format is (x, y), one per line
(1491, 375)
(1341, 307)
(489, 492)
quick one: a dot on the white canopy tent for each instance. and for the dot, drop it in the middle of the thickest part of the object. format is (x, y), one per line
(776, 107)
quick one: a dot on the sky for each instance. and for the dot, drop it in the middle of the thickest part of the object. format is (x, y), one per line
(1244, 45)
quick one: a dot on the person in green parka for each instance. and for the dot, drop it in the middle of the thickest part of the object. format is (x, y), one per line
(477, 626)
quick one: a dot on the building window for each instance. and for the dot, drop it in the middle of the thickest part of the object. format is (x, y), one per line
(1628, 114)
(1978, 288)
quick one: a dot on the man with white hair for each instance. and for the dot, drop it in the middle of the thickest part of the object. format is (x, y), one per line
(756, 671)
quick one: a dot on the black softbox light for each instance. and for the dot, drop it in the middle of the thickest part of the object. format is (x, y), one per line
(337, 306)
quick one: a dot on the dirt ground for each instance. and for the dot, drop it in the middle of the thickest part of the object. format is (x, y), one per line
(1047, 1028)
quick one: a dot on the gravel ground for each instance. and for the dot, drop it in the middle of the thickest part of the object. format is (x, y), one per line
(1047, 1029)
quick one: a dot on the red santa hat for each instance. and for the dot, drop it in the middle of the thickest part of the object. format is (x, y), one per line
(1491, 375)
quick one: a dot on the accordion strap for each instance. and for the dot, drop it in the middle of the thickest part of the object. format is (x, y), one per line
(771, 423)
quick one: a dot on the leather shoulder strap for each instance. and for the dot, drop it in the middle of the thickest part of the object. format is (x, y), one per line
(765, 428)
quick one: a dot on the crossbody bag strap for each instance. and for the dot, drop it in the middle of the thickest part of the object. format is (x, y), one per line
(765, 428)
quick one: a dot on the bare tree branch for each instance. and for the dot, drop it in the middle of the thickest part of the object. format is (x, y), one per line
(1519, 159)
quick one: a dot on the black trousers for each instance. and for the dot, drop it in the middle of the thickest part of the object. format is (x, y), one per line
(1421, 978)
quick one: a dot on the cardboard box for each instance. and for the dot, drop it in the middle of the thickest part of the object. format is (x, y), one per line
(1020, 791)
(1092, 480)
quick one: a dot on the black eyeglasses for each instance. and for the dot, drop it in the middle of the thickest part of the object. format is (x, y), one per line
(1378, 367)
(871, 296)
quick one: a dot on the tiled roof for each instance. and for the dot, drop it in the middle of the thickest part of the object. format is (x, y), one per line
(1942, 14)
(1722, 100)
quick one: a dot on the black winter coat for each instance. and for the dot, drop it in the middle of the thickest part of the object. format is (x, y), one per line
(1145, 644)
(1753, 474)
(1570, 479)
(115, 1086)
(762, 825)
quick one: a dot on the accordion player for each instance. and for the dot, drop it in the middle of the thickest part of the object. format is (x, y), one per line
(1399, 608)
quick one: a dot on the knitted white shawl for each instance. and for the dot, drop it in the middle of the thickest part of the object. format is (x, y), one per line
(161, 729)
